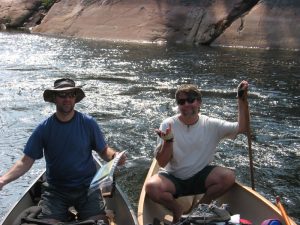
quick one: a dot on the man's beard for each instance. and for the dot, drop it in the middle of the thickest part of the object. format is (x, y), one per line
(190, 112)
(66, 109)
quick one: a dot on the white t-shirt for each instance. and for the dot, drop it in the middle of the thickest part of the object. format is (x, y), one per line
(194, 146)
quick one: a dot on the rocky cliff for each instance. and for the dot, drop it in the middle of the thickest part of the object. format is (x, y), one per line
(17, 13)
(246, 23)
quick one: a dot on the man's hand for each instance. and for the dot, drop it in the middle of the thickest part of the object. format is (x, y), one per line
(1, 183)
(164, 151)
(167, 136)
(242, 90)
(122, 159)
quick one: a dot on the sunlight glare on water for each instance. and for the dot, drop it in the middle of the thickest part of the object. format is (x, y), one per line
(130, 89)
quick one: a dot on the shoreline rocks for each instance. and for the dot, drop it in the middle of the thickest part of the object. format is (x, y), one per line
(14, 13)
(238, 23)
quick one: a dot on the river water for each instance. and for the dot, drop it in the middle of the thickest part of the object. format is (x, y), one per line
(130, 89)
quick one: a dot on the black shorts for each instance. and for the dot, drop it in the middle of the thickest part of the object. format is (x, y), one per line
(191, 186)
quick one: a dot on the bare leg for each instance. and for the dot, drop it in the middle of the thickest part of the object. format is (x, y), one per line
(161, 190)
(217, 183)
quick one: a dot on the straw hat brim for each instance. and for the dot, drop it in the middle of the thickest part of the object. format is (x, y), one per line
(49, 93)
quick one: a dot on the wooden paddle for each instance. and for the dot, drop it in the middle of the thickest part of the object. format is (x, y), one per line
(283, 212)
(240, 94)
(250, 153)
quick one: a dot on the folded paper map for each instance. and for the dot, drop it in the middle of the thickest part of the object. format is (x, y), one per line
(104, 177)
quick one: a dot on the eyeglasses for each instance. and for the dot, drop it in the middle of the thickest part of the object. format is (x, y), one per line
(182, 101)
(66, 94)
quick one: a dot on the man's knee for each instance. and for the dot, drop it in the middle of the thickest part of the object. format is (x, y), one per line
(223, 176)
(228, 178)
(151, 188)
(225, 181)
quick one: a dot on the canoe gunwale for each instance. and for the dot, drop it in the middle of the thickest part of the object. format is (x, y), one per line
(23, 196)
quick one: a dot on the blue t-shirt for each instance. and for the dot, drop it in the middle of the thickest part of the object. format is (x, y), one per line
(67, 147)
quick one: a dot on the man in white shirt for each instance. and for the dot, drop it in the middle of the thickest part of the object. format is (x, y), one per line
(187, 145)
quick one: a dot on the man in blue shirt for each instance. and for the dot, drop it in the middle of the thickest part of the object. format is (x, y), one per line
(66, 139)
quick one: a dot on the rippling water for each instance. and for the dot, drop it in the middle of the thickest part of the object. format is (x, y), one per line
(130, 89)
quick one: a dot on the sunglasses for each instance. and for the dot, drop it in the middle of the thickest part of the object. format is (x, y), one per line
(66, 94)
(182, 101)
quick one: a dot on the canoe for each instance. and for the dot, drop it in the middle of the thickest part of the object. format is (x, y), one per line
(241, 200)
(118, 204)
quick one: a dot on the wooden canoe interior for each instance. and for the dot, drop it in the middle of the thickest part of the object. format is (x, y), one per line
(241, 200)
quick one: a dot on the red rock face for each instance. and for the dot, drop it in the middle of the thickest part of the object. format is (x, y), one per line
(247, 23)
(265, 26)
(15, 13)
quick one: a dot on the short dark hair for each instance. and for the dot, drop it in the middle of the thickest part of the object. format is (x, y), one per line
(189, 90)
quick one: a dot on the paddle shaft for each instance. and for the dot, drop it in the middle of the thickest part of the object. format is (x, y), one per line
(250, 157)
(283, 212)
(240, 94)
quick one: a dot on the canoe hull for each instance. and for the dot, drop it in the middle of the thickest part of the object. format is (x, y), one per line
(241, 200)
(118, 203)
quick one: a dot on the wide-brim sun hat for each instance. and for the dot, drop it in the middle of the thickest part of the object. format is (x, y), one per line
(64, 84)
